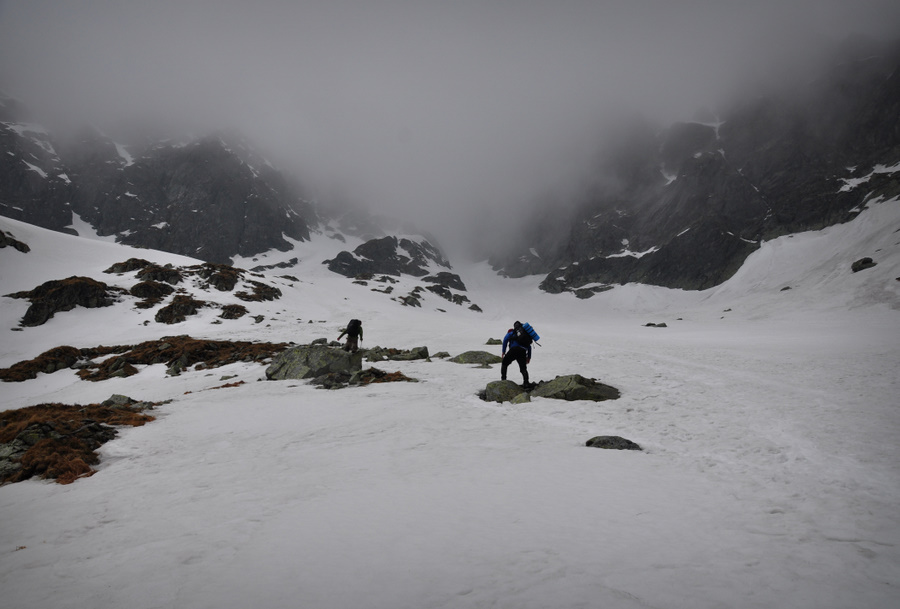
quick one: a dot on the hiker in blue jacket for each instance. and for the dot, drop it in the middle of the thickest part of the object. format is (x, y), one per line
(518, 351)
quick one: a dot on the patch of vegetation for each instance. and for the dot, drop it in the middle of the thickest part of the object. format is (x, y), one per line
(176, 352)
(181, 307)
(220, 276)
(261, 292)
(233, 311)
(152, 293)
(58, 295)
(59, 441)
(48, 362)
(155, 272)
(130, 265)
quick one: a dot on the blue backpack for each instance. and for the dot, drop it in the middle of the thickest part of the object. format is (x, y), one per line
(524, 334)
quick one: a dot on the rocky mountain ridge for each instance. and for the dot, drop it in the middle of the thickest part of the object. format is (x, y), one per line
(689, 203)
(678, 207)
(211, 198)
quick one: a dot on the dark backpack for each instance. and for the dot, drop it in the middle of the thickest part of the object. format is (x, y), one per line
(520, 335)
(353, 327)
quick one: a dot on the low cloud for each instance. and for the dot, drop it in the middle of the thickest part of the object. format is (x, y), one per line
(435, 111)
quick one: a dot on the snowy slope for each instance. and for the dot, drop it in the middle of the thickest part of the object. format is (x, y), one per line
(770, 475)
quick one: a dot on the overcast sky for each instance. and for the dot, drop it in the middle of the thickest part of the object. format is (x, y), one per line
(410, 105)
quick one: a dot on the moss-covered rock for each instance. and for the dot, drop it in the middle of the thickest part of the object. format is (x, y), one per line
(571, 387)
(502, 391)
(312, 361)
(576, 387)
(476, 357)
(612, 443)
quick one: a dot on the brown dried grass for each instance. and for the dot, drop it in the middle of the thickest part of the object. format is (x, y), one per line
(68, 449)
(167, 350)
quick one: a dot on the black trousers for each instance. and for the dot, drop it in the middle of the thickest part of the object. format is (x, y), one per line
(352, 344)
(520, 356)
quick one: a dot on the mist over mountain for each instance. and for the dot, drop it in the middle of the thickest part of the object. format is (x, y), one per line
(536, 136)
(683, 206)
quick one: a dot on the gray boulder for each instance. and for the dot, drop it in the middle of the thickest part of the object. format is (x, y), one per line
(522, 398)
(378, 354)
(570, 388)
(476, 357)
(311, 361)
(502, 391)
(576, 387)
(613, 443)
(862, 264)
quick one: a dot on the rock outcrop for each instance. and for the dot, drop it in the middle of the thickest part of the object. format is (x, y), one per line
(570, 387)
(612, 443)
(378, 354)
(54, 296)
(311, 361)
(177, 353)
(212, 198)
(340, 380)
(8, 240)
(388, 256)
(683, 207)
(502, 391)
(476, 357)
(59, 441)
(575, 387)
(862, 264)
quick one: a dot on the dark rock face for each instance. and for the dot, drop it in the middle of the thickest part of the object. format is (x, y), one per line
(684, 207)
(447, 280)
(64, 295)
(210, 199)
(387, 256)
(201, 200)
(34, 185)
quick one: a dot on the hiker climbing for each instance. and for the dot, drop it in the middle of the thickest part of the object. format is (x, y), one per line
(354, 334)
(518, 341)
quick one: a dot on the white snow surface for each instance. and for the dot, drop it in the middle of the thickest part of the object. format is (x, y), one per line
(769, 419)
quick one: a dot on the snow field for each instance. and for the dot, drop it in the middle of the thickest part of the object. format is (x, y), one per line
(770, 423)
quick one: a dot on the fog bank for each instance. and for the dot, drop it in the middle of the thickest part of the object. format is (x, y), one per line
(434, 111)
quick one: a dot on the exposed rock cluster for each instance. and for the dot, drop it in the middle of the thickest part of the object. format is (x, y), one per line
(60, 441)
(177, 353)
(569, 387)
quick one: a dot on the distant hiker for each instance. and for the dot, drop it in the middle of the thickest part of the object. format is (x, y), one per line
(354, 334)
(518, 340)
